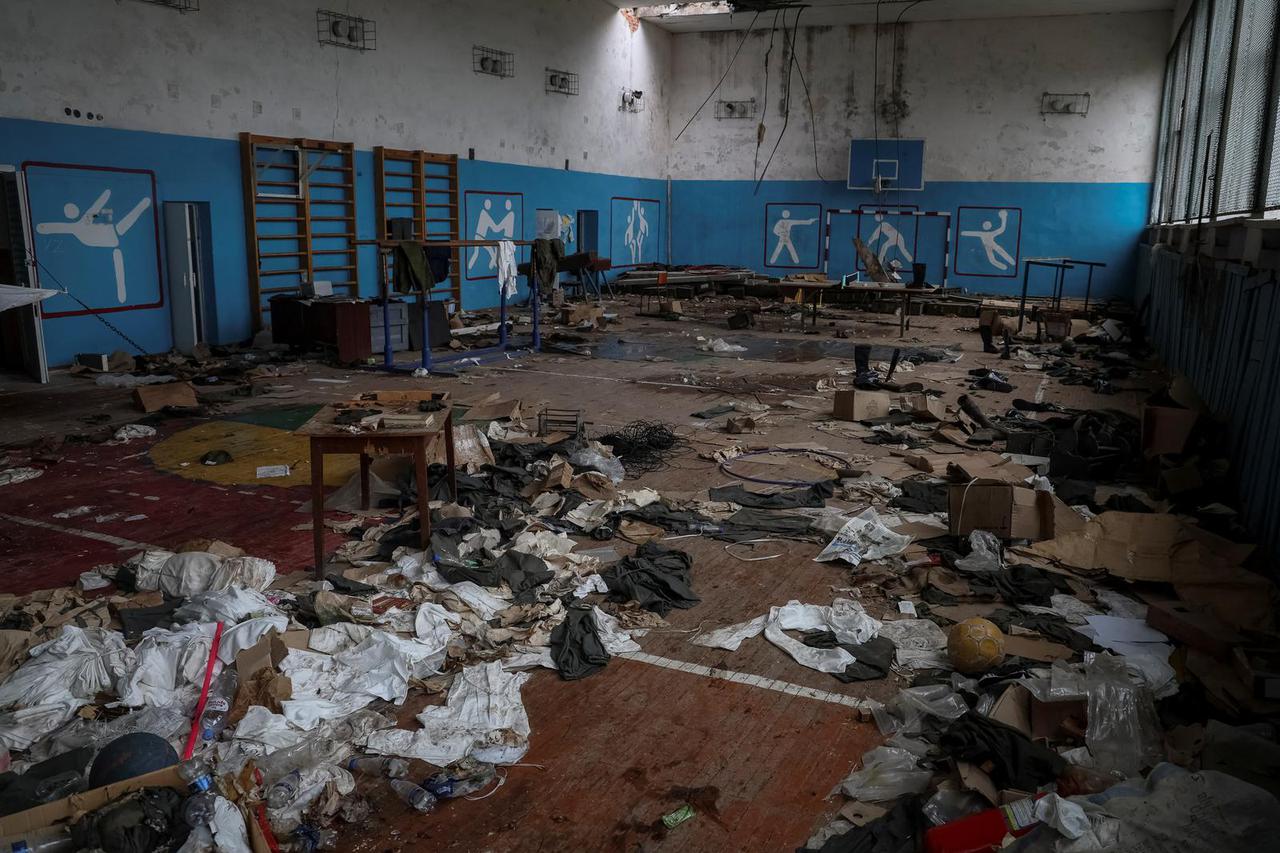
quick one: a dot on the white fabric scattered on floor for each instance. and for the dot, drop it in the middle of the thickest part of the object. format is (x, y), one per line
(615, 640)
(58, 678)
(9, 476)
(845, 618)
(169, 668)
(229, 605)
(864, 537)
(237, 638)
(272, 731)
(477, 599)
(434, 625)
(483, 717)
(312, 785)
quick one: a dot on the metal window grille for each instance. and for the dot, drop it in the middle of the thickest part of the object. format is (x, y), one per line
(559, 82)
(1250, 83)
(487, 60)
(349, 31)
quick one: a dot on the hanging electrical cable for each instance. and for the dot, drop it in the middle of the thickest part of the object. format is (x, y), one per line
(719, 82)
(62, 288)
(764, 107)
(786, 115)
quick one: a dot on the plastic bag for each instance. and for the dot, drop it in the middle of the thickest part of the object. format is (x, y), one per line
(1124, 732)
(886, 774)
(907, 711)
(984, 553)
(945, 806)
(593, 460)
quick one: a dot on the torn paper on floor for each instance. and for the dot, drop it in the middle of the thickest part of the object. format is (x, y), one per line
(483, 717)
(864, 537)
(845, 618)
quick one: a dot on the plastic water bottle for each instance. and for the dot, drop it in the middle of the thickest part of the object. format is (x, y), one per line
(59, 786)
(217, 708)
(310, 838)
(415, 795)
(311, 752)
(379, 765)
(462, 781)
(198, 809)
(285, 791)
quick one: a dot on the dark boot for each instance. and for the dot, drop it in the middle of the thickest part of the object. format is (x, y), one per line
(1007, 353)
(987, 344)
(862, 358)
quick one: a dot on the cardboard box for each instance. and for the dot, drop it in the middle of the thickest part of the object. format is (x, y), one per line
(153, 398)
(1007, 510)
(42, 821)
(925, 407)
(1194, 626)
(856, 405)
(1057, 325)
(576, 315)
(670, 306)
(1168, 418)
(991, 318)
(1259, 669)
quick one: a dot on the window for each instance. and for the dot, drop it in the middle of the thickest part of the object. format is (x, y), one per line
(1246, 120)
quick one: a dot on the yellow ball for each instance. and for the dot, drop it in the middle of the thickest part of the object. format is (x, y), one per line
(975, 645)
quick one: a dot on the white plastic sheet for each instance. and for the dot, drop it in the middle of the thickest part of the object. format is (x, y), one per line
(14, 296)
(886, 774)
(229, 605)
(483, 717)
(845, 618)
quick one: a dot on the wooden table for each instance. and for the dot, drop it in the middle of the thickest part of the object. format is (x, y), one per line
(367, 441)
(811, 292)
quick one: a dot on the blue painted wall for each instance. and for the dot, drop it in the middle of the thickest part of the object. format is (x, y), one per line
(188, 168)
(728, 222)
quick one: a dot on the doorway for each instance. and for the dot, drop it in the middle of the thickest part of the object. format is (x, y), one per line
(21, 331)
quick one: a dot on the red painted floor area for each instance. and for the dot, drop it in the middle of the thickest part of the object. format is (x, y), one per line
(634, 742)
(119, 480)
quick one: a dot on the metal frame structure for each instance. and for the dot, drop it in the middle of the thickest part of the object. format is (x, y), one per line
(859, 213)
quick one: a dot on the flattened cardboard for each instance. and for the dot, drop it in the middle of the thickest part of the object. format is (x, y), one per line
(857, 405)
(1166, 423)
(1035, 648)
(1194, 626)
(153, 398)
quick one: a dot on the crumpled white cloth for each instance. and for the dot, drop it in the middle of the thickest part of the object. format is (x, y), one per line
(228, 606)
(434, 625)
(191, 572)
(237, 638)
(58, 678)
(507, 276)
(271, 731)
(845, 618)
(615, 640)
(483, 717)
(477, 599)
(169, 666)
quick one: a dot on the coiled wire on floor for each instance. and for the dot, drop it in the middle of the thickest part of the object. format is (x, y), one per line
(643, 446)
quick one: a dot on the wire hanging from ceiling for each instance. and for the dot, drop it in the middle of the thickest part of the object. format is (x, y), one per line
(719, 82)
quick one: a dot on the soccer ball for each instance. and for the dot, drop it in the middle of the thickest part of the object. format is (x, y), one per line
(975, 645)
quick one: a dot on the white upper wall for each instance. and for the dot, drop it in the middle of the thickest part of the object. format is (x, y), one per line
(256, 65)
(972, 90)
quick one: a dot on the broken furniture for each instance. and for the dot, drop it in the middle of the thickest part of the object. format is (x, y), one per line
(663, 293)
(402, 428)
(1060, 268)
(588, 271)
(811, 292)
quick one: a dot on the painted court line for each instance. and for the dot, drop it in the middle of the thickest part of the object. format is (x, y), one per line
(748, 679)
(75, 531)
